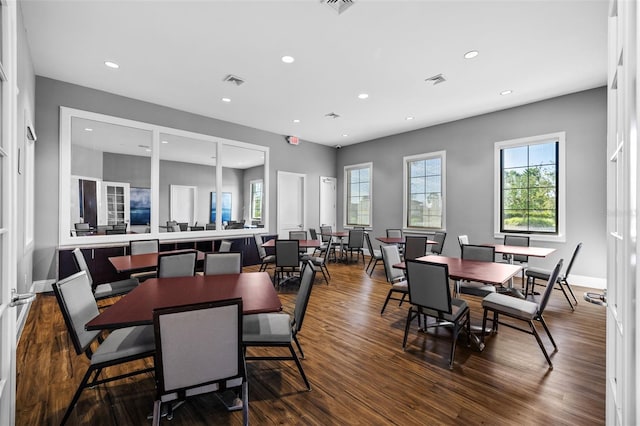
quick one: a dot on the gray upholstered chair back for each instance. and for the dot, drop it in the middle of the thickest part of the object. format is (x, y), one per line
(390, 257)
(439, 238)
(394, 233)
(181, 264)
(82, 264)
(225, 246)
(356, 238)
(262, 252)
(550, 286)
(78, 307)
(325, 232)
(144, 246)
(573, 258)
(302, 298)
(517, 240)
(476, 252)
(367, 240)
(313, 234)
(210, 226)
(297, 235)
(223, 263)
(190, 355)
(287, 253)
(463, 239)
(429, 285)
(414, 247)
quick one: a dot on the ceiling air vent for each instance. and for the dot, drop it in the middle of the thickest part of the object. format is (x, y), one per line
(332, 115)
(436, 79)
(233, 79)
(338, 5)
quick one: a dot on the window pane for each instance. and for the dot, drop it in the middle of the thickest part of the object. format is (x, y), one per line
(515, 220)
(540, 154)
(354, 176)
(417, 168)
(515, 178)
(514, 157)
(433, 184)
(515, 199)
(542, 220)
(433, 166)
(355, 190)
(424, 196)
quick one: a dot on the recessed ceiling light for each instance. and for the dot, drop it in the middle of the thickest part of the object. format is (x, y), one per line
(296, 121)
(148, 149)
(506, 92)
(88, 129)
(471, 54)
(409, 118)
(345, 135)
(111, 64)
(363, 96)
(226, 100)
(288, 59)
(165, 141)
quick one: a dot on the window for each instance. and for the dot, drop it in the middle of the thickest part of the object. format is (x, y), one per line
(358, 184)
(256, 200)
(424, 190)
(530, 185)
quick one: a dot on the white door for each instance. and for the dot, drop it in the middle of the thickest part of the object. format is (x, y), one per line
(290, 203)
(328, 201)
(183, 203)
(8, 202)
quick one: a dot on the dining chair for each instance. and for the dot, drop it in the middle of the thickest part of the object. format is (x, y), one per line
(281, 330)
(430, 296)
(414, 247)
(265, 259)
(104, 290)
(462, 240)
(438, 237)
(78, 306)
(395, 276)
(521, 241)
(223, 263)
(210, 226)
(543, 274)
(192, 358)
(356, 243)
(82, 229)
(523, 310)
(144, 247)
(320, 262)
(196, 228)
(327, 239)
(483, 254)
(180, 264)
(225, 246)
(184, 226)
(287, 261)
(374, 255)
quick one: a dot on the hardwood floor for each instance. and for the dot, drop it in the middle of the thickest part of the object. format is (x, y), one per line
(358, 371)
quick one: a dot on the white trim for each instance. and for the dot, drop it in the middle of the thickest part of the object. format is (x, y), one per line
(561, 195)
(443, 189)
(588, 282)
(345, 192)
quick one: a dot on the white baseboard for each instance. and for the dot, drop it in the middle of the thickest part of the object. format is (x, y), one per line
(43, 286)
(585, 281)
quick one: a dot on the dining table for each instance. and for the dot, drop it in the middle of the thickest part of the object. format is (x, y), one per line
(399, 240)
(143, 262)
(136, 307)
(341, 235)
(302, 244)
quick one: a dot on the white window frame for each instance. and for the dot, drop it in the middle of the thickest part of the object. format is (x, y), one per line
(405, 189)
(251, 184)
(561, 185)
(347, 169)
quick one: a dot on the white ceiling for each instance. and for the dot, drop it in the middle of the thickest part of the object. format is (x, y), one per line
(177, 53)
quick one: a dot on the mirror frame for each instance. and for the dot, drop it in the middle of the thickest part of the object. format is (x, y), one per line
(64, 231)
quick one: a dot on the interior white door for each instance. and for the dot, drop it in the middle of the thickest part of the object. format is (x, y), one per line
(328, 201)
(183, 203)
(290, 203)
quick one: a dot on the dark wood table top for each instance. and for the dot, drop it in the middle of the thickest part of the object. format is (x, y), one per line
(473, 270)
(522, 250)
(136, 308)
(138, 262)
(398, 240)
(301, 243)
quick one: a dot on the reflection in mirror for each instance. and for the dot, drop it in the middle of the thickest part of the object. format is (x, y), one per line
(242, 178)
(187, 178)
(110, 179)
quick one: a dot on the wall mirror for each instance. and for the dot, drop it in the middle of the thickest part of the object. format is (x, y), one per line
(123, 179)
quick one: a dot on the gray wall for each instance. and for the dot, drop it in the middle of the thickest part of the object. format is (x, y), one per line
(313, 159)
(469, 145)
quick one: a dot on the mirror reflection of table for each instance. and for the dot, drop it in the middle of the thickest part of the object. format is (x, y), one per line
(142, 262)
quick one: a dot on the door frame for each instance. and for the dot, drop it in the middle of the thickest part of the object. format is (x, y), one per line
(282, 175)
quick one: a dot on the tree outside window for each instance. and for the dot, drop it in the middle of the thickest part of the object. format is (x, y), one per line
(424, 191)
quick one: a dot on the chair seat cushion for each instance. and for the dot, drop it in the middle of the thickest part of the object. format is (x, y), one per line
(475, 288)
(115, 288)
(125, 342)
(266, 328)
(542, 274)
(269, 258)
(509, 305)
(400, 286)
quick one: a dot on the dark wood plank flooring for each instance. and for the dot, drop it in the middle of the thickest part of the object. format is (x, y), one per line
(358, 371)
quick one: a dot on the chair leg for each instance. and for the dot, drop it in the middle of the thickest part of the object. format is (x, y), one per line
(407, 325)
(299, 364)
(566, 296)
(386, 301)
(366, 269)
(537, 336)
(484, 326)
(544, 325)
(570, 290)
(157, 412)
(76, 396)
(245, 402)
(295, 339)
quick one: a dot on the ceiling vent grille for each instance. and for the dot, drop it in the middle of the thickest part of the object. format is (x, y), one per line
(436, 79)
(338, 5)
(234, 79)
(332, 115)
